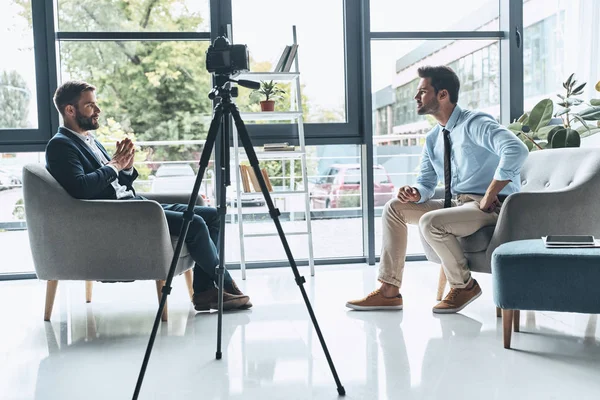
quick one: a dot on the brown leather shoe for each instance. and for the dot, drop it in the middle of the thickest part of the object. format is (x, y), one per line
(457, 299)
(234, 289)
(376, 301)
(209, 299)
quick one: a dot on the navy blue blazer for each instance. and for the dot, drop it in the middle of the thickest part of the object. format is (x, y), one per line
(76, 168)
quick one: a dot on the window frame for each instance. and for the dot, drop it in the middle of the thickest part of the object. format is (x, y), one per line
(35, 139)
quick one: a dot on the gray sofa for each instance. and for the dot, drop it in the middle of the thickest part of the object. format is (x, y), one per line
(559, 188)
(97, 240)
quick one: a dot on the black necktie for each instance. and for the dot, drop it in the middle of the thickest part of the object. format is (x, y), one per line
(447, 169)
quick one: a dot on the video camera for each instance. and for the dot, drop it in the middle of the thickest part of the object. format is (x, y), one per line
(223, 58)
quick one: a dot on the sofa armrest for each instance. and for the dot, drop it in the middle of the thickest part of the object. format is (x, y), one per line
(172, 198)
(531, 215)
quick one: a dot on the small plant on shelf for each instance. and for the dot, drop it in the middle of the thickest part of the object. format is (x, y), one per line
(271, 91)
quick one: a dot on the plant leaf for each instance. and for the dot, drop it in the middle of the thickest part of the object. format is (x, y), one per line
(515, 127)
(573, 139)
(541, 114)
(524, 118)
(579, 88)
(578, 118)
(568, 82)
(559, 138)
(595, 102)
(549, 134)
(587, 133)
(597, 87)
(544, 133)
(561, 96)
(563, 111)
(572, 84)
(590, 114)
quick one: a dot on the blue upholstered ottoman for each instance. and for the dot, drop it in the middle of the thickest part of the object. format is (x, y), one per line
(529, 276)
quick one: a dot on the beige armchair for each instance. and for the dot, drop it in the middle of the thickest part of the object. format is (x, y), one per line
(98, 240)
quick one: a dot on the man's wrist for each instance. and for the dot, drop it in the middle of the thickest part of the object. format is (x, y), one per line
(117, 167)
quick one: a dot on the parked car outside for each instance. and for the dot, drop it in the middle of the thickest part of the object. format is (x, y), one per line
(9, 179)
(178, 178)
(340, 187)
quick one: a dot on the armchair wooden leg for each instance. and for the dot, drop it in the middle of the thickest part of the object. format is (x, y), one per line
(507, 322)
(189, 280)
(159, 286)
(88, 291)
(441, 284)
(516, 320)
(50, 295)
(498, 312)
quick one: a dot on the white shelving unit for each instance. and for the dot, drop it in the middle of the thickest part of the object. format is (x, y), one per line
(296, 116)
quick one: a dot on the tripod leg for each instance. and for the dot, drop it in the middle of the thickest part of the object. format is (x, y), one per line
(222, 210)
(188, 215)
(245, 138)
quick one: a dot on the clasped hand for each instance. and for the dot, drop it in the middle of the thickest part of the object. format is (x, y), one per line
(124, 155)
(407, 194)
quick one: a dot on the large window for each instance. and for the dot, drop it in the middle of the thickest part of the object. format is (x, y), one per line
(18, 107)
(147, 60)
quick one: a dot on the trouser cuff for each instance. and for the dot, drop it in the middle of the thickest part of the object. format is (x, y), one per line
(390, 280)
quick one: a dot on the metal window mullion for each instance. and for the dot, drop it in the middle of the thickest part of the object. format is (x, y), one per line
(132, 36)
(367, 149)
(511, 60)
(15, 140)
(437, 35)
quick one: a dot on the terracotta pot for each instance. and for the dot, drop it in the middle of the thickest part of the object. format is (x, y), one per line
(267, 105)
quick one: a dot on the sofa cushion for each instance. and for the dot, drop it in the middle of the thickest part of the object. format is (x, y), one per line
(529, 276)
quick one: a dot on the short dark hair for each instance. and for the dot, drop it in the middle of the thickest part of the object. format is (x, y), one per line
(68, 94)
(442, 77)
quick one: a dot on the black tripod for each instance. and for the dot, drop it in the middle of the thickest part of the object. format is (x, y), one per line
(224, 108)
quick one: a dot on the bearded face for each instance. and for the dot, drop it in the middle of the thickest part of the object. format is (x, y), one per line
(427, 101)
(87, 123)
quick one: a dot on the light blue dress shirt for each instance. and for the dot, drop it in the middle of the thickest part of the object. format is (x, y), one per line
(482, 150)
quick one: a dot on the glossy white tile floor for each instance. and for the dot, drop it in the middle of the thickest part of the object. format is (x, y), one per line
(94, 351)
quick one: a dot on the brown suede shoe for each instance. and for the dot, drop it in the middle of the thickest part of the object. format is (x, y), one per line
(376, 301)
(234, 289)
(209, 299)
(457, 299)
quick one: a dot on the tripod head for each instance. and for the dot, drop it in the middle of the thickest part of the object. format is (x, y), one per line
(225, 91)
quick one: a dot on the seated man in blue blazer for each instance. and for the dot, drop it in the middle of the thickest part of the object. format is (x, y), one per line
(86, 171)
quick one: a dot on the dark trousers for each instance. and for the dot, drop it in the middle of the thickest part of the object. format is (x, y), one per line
(202, 242)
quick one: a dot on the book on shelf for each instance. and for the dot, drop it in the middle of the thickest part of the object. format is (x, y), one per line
(290, 58)
(250, 181)
(282, 59)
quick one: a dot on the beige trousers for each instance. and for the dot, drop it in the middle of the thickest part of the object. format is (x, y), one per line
(440, 227)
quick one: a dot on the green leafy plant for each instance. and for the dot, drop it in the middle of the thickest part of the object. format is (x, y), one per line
(270, 90)
(537, 133)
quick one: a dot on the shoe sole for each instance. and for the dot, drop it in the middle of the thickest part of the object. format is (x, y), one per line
(372, 308)
(455, 310)
(230, 305)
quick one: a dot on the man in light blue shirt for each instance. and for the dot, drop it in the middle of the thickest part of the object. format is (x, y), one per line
(478, 161)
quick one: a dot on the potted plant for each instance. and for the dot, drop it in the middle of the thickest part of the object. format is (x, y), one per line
(271, 91)
(536, 128)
